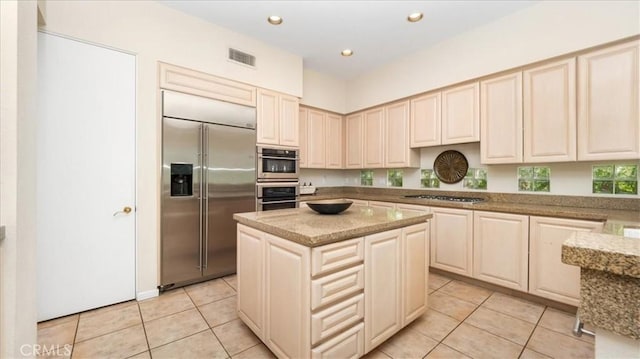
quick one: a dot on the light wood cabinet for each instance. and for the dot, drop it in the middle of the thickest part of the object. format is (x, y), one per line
(277, 119)
(333, 141)
(287, 302)
(316, 138)
(452, 240)
(461, 114)
(251, 269)
(395, 280)
(354, 141)
(425, 120)
(501, 119)
(501, 249)
(609, 103)
(374, 138)
(398, 152)
(548, 276)
(550, 112)
(302, 131)
(338, 299)
(198, 83)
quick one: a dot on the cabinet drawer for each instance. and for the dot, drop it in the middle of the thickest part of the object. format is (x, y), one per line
(335, 286)
(336, 255)
(336, 318)
(349, 344)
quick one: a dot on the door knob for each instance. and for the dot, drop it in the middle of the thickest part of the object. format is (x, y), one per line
(125, 210)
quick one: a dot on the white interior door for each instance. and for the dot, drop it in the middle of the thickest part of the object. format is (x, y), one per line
(86, 174)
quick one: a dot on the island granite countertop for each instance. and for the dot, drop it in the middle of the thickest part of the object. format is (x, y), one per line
(306, 227)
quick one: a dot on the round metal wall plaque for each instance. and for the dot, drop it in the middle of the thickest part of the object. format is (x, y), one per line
(450, 166)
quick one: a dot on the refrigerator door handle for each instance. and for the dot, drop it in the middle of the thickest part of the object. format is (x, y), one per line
(200, 204)
(205, 183)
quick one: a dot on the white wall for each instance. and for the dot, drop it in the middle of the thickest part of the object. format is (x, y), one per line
(538, 32)
(324, 91)
(572, 178)
(18, 44)
(157, 33)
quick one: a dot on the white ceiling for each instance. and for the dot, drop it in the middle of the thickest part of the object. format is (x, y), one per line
(377, 31)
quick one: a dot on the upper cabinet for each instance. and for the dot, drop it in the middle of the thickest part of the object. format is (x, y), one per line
(320, 139)
(316, 139)
(550, 112)
(302, 136)
(354, 141)
(333, 142)
(446, 117)
(398, 153)
(374, 138)
(425, 120)
(608, 103)
(461, 114)
(277, 122)
(501, 119)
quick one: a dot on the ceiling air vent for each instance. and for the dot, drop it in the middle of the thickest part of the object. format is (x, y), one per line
(242, 57)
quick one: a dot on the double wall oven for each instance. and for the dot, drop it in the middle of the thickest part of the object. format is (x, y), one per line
(278, 172)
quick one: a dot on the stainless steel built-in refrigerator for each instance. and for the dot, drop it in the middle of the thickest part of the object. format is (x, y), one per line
(208, 173)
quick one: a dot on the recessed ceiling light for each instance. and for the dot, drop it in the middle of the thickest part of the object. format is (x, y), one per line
(346, 52)
(415, 17)
(274, 20)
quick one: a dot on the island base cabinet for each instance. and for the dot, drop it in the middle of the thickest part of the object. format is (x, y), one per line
(251, 278)
(348, 345)
(548, 276)
(364, 290)
(287, 294)
(396, 270)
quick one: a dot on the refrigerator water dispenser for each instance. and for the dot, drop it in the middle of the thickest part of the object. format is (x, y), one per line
(181, 179)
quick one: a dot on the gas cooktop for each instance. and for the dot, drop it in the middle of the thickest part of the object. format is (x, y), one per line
(446, 198)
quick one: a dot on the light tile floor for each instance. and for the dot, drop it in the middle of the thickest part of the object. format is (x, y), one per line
(200, 321)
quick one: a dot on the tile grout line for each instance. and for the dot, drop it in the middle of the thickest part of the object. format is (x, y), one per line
(206, 322)
(144, 330)
(73, 344)
(533, 331)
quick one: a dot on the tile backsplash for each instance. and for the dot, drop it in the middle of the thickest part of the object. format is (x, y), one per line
(534, 179)
(476, 178)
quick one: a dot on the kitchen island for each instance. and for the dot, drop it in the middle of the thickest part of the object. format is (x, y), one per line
(609, 288)
(312, 285)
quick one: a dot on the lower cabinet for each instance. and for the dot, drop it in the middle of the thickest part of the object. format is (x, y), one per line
(452, 240)
(501, 249)
(339, 300)
(548, 276)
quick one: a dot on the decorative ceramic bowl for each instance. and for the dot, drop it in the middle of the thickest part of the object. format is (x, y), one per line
(329, 206)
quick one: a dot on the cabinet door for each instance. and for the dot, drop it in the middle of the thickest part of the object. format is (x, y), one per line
(251, 278)
(415, 268)
(461, 114)
(333, 141)
(289, 112)
(609, 104)
(452, 240)
(267, 123)
(382, 313)
(501, 249)
(302, 130)
(354, 133)
(287, 302)
(550, 113)
(374, 138)
(316, 139)
(548, 276)
(396, 131)
(501, 119)
(425, 120)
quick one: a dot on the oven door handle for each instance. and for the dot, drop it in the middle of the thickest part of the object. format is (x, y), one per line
(279, 158)
(278, 202)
